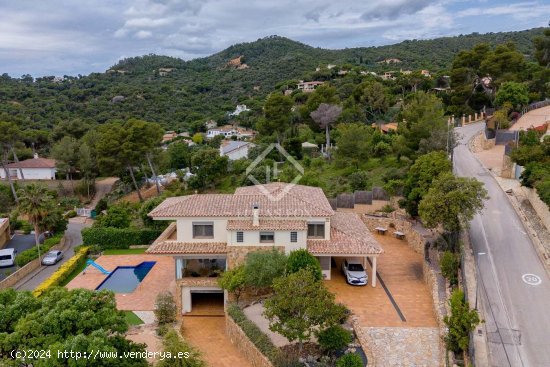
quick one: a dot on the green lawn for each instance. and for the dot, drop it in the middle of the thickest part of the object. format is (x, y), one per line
(74, 273)
(129, 251)
(132, 319)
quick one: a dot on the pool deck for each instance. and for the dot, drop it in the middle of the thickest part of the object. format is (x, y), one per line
(160, 278)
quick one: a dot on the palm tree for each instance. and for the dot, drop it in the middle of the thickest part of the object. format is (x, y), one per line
(35, 202)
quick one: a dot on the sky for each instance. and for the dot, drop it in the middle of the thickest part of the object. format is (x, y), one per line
(67, 37)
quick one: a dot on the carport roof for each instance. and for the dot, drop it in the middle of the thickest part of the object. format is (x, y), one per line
(348, 236)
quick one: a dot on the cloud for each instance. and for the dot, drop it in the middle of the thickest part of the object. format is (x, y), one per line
(90, 35)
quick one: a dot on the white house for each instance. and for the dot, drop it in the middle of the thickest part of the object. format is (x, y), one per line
(229, 130)
(33, 169)
(215, 232)
(235, 149)
(308, 86)
(239, 109)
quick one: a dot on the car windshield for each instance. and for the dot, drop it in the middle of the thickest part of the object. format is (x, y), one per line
(51, 254)
(355, 267)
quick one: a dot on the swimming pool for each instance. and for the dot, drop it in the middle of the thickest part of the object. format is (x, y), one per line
(125, 279)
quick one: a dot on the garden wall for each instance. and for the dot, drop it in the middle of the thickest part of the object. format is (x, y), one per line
(414, 239)
(4, 231)
(24, 271)
(540, 206)
(244, 345)
(480, 143)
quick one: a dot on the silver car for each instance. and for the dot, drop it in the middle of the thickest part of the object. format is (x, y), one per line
(52, 257)
(354, 272)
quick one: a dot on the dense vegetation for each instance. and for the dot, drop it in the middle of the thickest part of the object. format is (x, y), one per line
(207, 88)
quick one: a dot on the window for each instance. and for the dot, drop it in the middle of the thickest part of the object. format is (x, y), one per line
(293, 236)
(316, 230)
(203, 230)
(267, 237)
(240, 237)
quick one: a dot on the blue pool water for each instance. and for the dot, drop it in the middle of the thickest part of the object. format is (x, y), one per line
(124, 279)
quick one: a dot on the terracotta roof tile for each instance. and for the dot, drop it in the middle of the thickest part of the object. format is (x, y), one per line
(267, 225)
(348, 236)
(299, 201)
(175, 247)
(34, 163)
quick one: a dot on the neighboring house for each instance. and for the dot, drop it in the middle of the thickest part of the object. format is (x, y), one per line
(229, 130)
(4, 231)
(239, 109)
(235, 149)
(169, 136)
(308, 145)
(308, 86)
(165, 71)
(215, 232)
(386, 128)
(425, 73)
(33, 169)
(389, 61)
(210, 124)
(389, 75)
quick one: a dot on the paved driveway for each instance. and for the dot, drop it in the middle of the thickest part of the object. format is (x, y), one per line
(19, 242)
(516, 313)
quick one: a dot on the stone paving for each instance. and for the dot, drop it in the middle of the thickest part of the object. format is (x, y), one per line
(403, 347)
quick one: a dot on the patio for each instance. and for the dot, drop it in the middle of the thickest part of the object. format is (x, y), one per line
(159, 279)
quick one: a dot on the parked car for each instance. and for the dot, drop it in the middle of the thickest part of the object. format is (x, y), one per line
(7, 257)
(354, 272)
(52, 257)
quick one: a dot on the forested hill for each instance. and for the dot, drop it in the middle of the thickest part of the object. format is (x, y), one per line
(209, 87)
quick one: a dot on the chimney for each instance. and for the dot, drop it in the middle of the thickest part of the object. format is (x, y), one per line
(35, 155)
(255, 215)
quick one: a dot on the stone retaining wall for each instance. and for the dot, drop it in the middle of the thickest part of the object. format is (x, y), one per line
(21, 273)
(414, 239)
(244, 345)
(540, 206)
(480, 143)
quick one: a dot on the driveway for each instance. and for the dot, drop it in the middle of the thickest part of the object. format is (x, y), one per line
(514, 303)
(34, 279)
(19, 242)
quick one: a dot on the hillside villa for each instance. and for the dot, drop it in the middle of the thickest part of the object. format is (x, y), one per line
(308, 86)
(229, 130)
(36, 168)
(214, 232)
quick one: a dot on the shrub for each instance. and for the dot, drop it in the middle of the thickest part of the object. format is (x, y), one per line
(118, 238)
(233, 281)
(253, 332)
(26, 227)
(174, 346)
(302, 259)
(261, 267)
(63, 272)
(449, 267)
(117, 216)
(101, 205)
(461, 322)
(334, 338)
(165, 308)
(70, 214)
(25, 257)
(350, 360)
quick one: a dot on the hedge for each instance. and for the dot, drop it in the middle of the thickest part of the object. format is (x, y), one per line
(25, 257)
(253, 332)
(63, 272)
(118, 238)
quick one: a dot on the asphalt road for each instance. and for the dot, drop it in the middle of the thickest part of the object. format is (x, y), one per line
(517, 314)
(32, 281)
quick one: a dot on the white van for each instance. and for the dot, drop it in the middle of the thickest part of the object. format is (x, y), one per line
(7, 257)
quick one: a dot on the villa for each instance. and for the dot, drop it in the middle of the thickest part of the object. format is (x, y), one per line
(36, 168)
(215, 232)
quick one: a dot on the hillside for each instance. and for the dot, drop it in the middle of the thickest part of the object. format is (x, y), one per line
(208, 87)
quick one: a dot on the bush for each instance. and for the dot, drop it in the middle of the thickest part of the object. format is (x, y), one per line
(101, 205)
(118, 238)
(117, 216)
(63, 272)
(261, 267)
(461, 322)
(254, 334)
(26, 227)
(70, 214)
(334, 338)
(25, 257)
(302, 259)
(449, 267)
(173, 346)
(165, 308)
(350, 360)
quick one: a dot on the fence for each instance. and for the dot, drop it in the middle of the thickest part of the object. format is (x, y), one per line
(349, 200)
(84, 212)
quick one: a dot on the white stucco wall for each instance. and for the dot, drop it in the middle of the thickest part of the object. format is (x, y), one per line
(32, 173)
(281, 238)
(185, 229)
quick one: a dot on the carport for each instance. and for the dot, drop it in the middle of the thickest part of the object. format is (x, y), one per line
(327, 264)
(349, 238)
